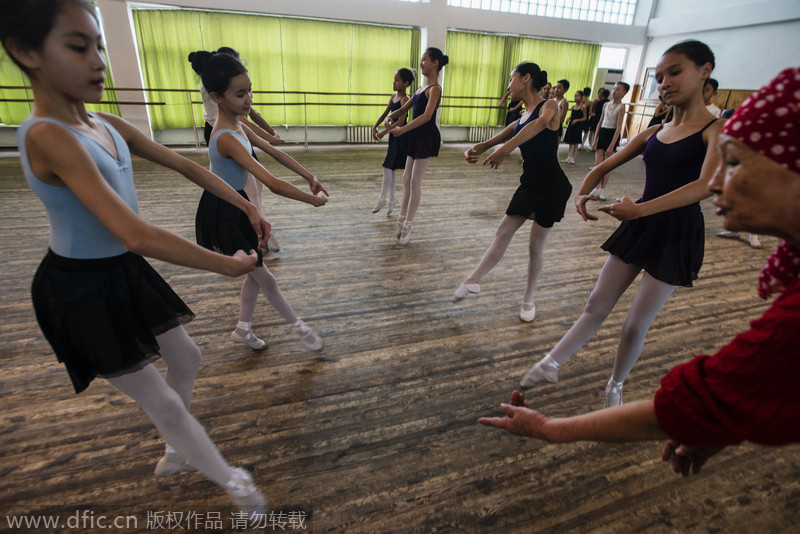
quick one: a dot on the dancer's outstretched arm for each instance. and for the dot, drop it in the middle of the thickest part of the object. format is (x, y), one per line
(433, 100)
(229, 146)
(143, 146)
(690, 193)
(533, 128)
(286, 160)
(60, 155)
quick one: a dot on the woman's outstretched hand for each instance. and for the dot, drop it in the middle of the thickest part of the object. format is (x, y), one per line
(519, 419)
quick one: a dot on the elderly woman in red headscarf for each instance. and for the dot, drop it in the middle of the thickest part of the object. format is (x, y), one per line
(748, 390)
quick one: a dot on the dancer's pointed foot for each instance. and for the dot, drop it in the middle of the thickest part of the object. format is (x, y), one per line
(171, 463)
(405, 235)
(527, 312)
(546, 370)
(465, 289)
(379, 204)
(613, 394)
(248, 338)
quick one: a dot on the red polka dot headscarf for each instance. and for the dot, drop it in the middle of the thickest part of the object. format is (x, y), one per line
(769, 120)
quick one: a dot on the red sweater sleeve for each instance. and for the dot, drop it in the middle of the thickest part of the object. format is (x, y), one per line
(749, 390)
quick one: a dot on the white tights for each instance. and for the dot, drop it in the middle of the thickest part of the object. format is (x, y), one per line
(505, 231)
(166, 402)
(412, 187)
(615, 277)
(261, 278)
(388, 187)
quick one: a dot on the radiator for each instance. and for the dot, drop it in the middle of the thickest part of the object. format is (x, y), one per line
(476, 134)
(360, 134)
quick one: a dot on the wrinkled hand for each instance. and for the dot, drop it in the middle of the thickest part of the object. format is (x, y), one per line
(242, 263)
(496, 158)
(519, 420)
(688, 459)
(625, 209)
(580, 206)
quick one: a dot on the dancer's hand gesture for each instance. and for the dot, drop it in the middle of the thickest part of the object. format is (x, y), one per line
(625, 209)
(580, 205)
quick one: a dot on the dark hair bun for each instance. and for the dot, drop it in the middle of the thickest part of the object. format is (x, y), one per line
(199, 59)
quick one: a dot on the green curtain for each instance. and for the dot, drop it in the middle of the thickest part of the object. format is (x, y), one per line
(475, 69)
(282, 54)
(481, 63)
(13, 113)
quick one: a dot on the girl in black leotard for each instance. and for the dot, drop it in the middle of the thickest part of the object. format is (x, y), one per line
(397, 151)
(423, 140)
(663, 232)
(543, 191)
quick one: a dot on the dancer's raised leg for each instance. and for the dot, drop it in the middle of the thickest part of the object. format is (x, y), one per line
(497, 248)
(615, 277)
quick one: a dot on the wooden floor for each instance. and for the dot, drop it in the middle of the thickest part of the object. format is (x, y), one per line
(378, 432)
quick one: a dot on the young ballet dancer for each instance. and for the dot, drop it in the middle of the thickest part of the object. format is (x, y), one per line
(606, 140)
(256, 124)
(663, 233)
(218, 226)
(398, 146)
(574, 134)
(100, 305)
(562, 86)
(514, 108)
(424, 138)
(587, 101)
(595, 110)
(544, 189)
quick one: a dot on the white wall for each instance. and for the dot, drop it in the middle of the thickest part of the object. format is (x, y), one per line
(752, 41)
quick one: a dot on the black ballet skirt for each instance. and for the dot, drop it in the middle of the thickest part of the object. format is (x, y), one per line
(542, 194)
(574, 134)
(667, 245)
(224, 228)
(397, 152)
(102, 316)
(424, 141)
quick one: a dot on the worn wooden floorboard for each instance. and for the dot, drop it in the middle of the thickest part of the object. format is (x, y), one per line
(377, 433)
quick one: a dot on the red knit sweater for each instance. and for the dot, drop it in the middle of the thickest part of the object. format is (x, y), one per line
(749, 390)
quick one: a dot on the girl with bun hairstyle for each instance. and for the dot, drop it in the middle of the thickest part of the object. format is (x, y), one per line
(217, 226)
(423, 140)
(544, 188)
(663, 233)
(100, 305)
(397, 152)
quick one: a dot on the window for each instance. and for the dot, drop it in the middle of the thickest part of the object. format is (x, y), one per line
(608, 11)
